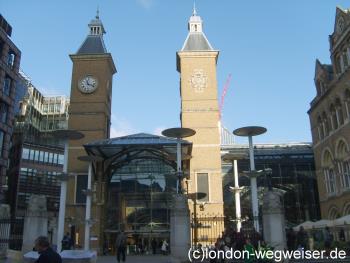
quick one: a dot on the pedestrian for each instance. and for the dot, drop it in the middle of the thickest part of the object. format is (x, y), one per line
(291, 239)
(67, 242)
(164, 247)
(47, 254)
(328, 239)
(250, 251)
(121, 246)
(154, 246)
(302, 239)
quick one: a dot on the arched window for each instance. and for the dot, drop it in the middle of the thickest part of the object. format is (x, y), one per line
(333, 213)
(346, 210)
(347, 102)
(329, 174)
(334, 121)
(320, 129)
(343, 163)
(325, 124)
(339, 111)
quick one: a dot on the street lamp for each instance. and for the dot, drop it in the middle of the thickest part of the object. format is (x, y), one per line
(233, 157)
(249, 132)
(66, 135)
(88, 192)
(178, 133)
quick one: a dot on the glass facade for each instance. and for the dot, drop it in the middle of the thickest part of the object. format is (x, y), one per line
(139, 197)
(39, 182)
(293, 175)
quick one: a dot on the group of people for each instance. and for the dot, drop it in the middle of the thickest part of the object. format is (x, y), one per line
(121, 246)
(303, 240)
(242, 241)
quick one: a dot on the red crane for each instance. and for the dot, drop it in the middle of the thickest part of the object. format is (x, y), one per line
(223, 94)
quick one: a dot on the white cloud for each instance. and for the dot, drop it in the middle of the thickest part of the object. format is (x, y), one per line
(158, 130)
(147, 4)
(121, 127)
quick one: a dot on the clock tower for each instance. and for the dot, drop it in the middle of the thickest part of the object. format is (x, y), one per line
(89, 113)
(196, 63)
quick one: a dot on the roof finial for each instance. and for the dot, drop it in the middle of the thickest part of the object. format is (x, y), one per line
(194, 8)
(98, 13)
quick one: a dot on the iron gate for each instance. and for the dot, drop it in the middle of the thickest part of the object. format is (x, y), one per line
(206, 229)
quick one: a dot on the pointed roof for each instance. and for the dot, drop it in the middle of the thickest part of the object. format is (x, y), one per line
(196, 39)
(94, 44)
(323, 68)
(341, 26)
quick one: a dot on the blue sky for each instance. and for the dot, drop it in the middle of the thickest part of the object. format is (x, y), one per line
(269, 47)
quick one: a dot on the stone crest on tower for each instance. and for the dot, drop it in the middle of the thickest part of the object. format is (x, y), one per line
(198, 80)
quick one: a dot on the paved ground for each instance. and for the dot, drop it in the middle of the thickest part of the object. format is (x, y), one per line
(136, 259)
(112, 259)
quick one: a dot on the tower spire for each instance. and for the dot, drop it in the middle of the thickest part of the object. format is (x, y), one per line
(98, 13)
(194, 8)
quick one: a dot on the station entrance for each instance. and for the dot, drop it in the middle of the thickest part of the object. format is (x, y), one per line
(141, 176)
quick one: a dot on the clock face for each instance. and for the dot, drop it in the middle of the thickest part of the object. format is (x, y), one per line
(88, 84)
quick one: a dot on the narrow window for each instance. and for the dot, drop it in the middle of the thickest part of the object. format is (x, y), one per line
(203, 186)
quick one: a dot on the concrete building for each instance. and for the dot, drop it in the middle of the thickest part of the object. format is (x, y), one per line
(330, 122)
(10, 57)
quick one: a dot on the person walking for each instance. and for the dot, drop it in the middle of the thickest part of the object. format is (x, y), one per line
(302, 239)
(121, 246)
(291, 238)
(164, 247)
(154, 246)
(47, 254)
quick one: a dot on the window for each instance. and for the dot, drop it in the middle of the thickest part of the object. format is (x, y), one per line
(25, 153)
(80, 197)
(50, 157)
(345, 60)
(7, 86)
(3, 112)
(10, 59)
(330, 181)
(334, 120)
(2, 138)
(203, 186)
(61, 159)
(345, 167)
(42, 156)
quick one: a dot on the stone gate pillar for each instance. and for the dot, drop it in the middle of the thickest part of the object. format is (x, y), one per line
(180, 230)
(35, 221)
(273, 220)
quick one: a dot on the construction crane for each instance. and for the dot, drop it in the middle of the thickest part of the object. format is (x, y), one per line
(223, 94)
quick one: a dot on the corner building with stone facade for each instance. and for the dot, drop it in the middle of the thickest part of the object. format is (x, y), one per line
(330, 122)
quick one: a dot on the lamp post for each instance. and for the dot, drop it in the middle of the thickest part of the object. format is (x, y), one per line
(66, 135)
(233, 157)
(88, 192)
(178, 133)
(249, 132)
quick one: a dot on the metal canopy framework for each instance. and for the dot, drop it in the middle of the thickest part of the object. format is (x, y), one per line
(120, 151)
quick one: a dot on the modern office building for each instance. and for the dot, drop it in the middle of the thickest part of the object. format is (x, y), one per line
(36, 158)
(10, 57)
(330, 122)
